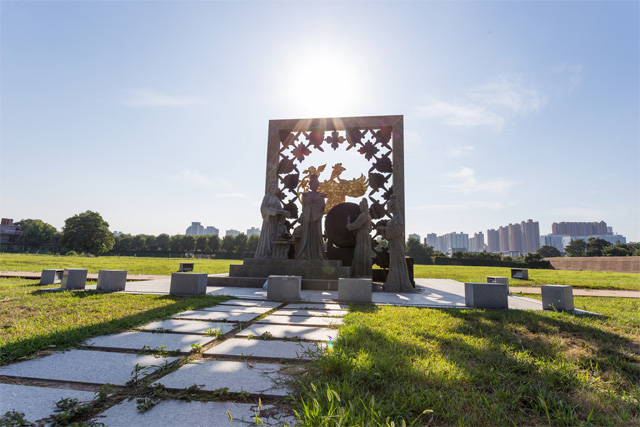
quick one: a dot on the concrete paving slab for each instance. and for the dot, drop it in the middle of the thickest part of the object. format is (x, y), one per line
(309, 333)
(36, 402)
(256, 378)
(86, 366)
(189, 326)
(310, 313)
(244, 293)
(316, 306)
(193, 414)
(216, 316)
(302, 321)
(248, 303)
(271, 349)
(135, 340)
(238, 309)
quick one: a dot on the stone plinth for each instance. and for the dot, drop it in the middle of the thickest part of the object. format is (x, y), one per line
(557, 297)
(498, 279)
(284, 288)
(188, 284)
(51, 277)
(74, 278)
(281, 248)
(520, 273)
(354, 290)
(486, 295)
(111, 280)
(186, 266)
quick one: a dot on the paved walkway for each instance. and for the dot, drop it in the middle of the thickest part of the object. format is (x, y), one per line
(239, 351)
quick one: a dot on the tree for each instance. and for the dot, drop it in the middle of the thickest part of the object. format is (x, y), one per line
(175, 243)
(595, 246)
(201, 243)
(214, 243)
(162, 241)
(188, 243)
(549, 252)
(227, 246)
(252, 243)
(617, 250)
(87, 232)
(138, 243)
(417, 251)
(150, 243)
(240, 245)
(35, 233)
(123, 242)
(576, 248)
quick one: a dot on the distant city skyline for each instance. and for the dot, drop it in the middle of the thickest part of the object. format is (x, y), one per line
(156, 113)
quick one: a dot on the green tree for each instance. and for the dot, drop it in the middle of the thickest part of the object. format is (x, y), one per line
(35, 233)
(214, 243)
(240, 246)
(595, 246)
(138, 243)
(227, 246)
(87, 232)
(150, 243)
(252, 243)
(175, 243)
(188, 243)
(417, 251)
(548, 252)
(123, 242)
(615, 250)
(162, 241)
(201, 243)
(576, 248)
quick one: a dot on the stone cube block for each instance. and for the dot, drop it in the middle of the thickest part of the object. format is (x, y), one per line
(520, 273)
(187, 284)
(557, 297)
(356, 290)
(186, 266)
(111, 280)
(284, 288)
(74, 278)
(498, 279)
(486, 295)
(51, 277)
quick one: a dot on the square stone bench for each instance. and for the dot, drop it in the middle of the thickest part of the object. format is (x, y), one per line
(498, 279)
(520, 273)
(111, 280)
(187, 284)
(51, 277)
(186, 266)
(486, 295)
(74, 278)
(355, 290)
(284, 288)
(557, 297)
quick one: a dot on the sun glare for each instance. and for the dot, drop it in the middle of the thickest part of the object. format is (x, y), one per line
(325, 85)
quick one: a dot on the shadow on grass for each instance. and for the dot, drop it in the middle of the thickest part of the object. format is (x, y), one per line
(62, 337)
(481, 368)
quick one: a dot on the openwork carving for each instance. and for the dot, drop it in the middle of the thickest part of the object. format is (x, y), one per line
(378, 139)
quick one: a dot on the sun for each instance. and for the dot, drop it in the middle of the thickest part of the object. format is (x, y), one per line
(324, 85)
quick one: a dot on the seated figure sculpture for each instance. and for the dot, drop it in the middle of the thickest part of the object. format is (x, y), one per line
(311, 242)
(272, 222)
(398, 278)
(362, 256)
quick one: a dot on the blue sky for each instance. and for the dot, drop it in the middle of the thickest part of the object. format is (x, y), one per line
(155, 114)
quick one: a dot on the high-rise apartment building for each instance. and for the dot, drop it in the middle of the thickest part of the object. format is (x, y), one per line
(432, 240)
(515, 238)
(504, 239)
(253, 230)
(493, 241)
(231, 232)
(530, 236)
(210, 231)
(580, 228)
(196, 229)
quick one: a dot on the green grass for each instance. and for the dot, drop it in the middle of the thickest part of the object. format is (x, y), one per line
(32, 319)
(577, 279)
(473, 367)
(133, 265)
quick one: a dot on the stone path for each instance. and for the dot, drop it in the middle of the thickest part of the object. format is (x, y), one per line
(235, 360)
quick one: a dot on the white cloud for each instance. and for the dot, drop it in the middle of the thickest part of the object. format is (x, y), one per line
(466, 182)
(461, 115)
(490, 105)
(574, 78)
(142, 98)
(459, 151)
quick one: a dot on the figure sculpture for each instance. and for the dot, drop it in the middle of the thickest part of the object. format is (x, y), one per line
(362, 255)
(272, 222)
(311, 243)
(398, 278)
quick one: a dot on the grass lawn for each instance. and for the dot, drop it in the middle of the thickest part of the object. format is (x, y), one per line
(133, 265)
(32, 319)
(474, 367)
(577, 279)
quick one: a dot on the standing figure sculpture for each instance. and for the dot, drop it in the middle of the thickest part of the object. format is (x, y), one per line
(311, 243)
(272, 222)
(362, 255)
(398, 278)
